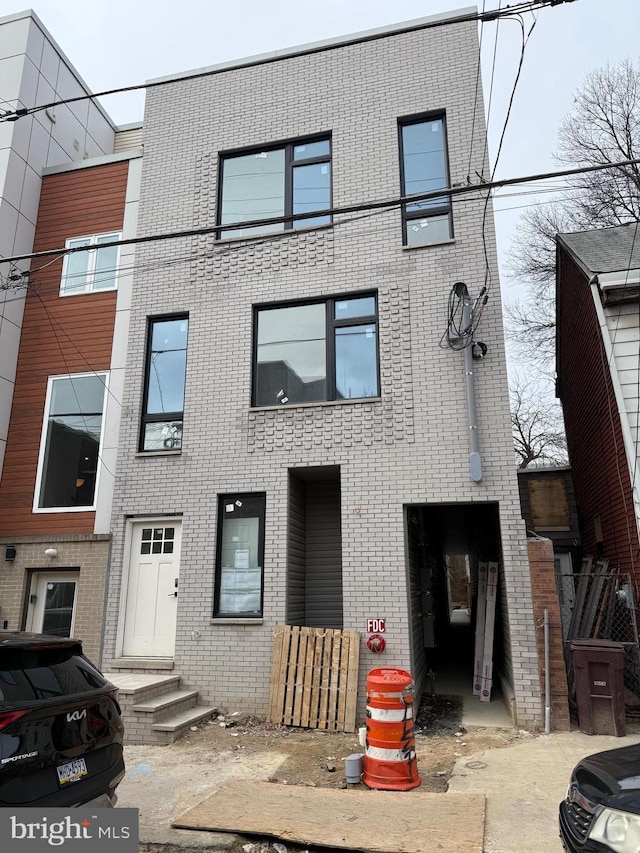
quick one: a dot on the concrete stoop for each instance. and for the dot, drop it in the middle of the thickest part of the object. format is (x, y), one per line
(155, 709)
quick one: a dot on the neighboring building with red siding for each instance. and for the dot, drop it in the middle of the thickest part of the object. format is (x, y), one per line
(598, 352)
(59, 466)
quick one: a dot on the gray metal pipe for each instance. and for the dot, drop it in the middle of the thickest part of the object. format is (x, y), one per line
(547, 676)
(475, 461)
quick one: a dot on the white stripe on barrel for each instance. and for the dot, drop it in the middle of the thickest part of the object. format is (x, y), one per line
(390, 715)
(377, 753)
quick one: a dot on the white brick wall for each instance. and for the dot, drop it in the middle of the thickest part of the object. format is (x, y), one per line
(408, 447)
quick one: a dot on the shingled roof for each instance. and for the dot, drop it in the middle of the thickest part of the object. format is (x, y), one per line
(605, 249)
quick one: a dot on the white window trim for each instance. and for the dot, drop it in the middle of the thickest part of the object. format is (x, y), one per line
(88, 288)
(43, 442)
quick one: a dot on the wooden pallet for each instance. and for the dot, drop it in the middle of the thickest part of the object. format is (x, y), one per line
(314, 678)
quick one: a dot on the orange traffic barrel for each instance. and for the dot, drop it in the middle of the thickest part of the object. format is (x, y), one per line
(390, 749)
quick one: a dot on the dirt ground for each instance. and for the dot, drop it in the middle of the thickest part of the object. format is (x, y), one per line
(316, 758)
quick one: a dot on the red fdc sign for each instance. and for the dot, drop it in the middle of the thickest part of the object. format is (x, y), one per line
(375, 626)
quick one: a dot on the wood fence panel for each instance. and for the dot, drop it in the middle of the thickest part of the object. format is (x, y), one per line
(314, 678)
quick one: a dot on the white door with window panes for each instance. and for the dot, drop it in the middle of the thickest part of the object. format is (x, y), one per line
(152, 590)
(52, 600)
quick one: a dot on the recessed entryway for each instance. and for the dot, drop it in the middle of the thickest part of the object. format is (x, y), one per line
(314, 571)
(446, 546)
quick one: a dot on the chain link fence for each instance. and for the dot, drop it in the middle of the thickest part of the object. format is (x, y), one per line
(601, 605)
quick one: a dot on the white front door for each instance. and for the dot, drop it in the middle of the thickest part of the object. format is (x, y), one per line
(52, 601)
(152, 590)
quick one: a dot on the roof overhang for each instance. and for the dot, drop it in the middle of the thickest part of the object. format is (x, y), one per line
(618, 287)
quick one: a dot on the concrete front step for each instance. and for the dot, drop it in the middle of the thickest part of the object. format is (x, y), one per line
(178, 722)
(136, 687)
(166, 701)
(154, 707)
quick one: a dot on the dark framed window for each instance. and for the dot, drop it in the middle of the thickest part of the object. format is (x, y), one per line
(316, 351)
(282, 180)
(239, 555)
(165, 375)
(424, 167)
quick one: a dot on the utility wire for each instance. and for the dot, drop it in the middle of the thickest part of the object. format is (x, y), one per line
(525, 40)
(475, 99)
(161, 262)
(508, 11)
(379, 205)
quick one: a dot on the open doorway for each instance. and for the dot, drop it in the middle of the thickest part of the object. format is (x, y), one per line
(449, 546)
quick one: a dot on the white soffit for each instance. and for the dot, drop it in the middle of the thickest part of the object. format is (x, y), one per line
(623, 278)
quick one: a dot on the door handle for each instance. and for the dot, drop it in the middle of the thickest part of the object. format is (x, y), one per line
(174, 594)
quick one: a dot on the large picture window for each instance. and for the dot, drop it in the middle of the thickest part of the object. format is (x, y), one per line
(92, 270)
(316, 351)
(279, 181)
(164, 384)
(240, 555)
(70, 446)
(425, 168)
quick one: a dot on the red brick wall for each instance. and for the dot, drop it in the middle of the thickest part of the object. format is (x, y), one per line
(545, 596)
(72, 334)
(594, 436)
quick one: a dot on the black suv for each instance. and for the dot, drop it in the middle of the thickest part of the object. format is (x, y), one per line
(60, 725)
(601, 812)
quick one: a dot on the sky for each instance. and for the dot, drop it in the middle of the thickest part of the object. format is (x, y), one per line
(115, 43)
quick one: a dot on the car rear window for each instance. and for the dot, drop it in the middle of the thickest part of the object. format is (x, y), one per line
(28, 674)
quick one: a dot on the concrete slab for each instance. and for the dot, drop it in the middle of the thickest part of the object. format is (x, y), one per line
(474, 712)
(162, 787)
(524, 785)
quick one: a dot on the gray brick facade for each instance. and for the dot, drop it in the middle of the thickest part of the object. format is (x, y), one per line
(410, 445)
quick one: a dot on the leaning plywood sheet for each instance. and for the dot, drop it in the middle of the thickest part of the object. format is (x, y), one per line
(373, 821)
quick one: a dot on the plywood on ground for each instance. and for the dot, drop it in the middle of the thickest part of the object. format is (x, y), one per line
(374, 821)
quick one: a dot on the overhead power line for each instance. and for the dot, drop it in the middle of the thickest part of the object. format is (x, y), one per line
(333, 211)
(507, 11)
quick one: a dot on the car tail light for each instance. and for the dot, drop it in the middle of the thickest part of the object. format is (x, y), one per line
(8, 717)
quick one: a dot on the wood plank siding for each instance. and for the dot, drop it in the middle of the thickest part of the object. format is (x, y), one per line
(594, 434)
(60, 335)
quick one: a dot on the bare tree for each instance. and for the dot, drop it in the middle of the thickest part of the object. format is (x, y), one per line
(536, 423)
(603, 127)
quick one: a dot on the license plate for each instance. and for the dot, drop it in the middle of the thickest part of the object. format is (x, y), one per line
(73, 771)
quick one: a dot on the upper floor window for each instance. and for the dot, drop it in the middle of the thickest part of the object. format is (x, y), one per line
(316, 351)
(91, 270)
(283, 180)
(70, 444)
(424, 168)
(165, 375)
